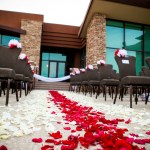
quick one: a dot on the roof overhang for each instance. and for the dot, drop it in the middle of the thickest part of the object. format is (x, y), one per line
(119, 10)
(11, 31)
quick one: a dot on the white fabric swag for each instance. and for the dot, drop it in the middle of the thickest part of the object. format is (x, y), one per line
(45, 79)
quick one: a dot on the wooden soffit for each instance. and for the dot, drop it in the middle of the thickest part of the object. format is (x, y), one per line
(137, 11)
(61, 36)
(11, 31)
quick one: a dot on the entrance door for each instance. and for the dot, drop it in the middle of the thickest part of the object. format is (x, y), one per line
(53, 65)
(56, 69)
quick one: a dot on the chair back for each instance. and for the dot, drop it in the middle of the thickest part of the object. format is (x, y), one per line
(20, 66)
(28, 72)
(83, 76)
(127, 66)
(72, 78)
(147, 60)
(146, 71)
(93, 75)
(106, 71)
(8, 57)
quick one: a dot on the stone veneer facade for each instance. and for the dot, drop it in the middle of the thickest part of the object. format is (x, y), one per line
(96, 39)
(31, 42)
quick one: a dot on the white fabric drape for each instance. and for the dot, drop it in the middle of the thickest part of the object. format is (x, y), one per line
(45, 79)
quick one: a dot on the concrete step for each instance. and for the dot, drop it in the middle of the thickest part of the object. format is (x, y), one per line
(52, 85)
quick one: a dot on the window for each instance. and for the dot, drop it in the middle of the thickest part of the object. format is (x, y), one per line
(114, 34)
(147, 39)
(4, 39)
(134, 38)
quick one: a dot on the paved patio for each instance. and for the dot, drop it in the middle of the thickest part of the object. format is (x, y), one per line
(33, 117)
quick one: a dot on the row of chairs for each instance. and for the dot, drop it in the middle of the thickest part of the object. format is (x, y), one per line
(15, 74)
(105, 80)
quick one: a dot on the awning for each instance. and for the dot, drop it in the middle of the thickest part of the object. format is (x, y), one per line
(5, 30)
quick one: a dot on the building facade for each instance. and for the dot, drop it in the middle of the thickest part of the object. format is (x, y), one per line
(107, 26)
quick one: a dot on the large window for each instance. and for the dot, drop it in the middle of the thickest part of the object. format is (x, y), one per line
(114, 34)
(4, 39)
(134, 38)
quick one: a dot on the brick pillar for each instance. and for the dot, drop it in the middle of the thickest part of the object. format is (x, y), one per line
(31, 42)
(96, 39)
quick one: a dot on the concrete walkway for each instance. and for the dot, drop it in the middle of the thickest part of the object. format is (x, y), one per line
(33, 117)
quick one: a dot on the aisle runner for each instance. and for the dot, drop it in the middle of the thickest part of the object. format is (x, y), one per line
(98, 131)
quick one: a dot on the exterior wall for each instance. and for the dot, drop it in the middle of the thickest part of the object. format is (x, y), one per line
(13, 19)
(96, 39)
(31, 42)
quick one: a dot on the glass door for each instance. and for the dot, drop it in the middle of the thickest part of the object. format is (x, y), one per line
(52, 69)
(53, 65)
(56, 69)
(61, 69)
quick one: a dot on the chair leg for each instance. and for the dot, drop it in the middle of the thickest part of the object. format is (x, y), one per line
(136, 95)
(25, 87)
(116, 94)
(121, 93)
(7, 93)
(147, 97)
(16, 90)
(21, 88)
(131, 92)
(105, 89)
(0, 89)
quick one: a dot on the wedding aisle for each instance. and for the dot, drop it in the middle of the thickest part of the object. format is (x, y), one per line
(63, 120)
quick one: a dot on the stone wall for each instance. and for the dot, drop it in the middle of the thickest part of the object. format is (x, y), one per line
(96, 39)
(31, 42)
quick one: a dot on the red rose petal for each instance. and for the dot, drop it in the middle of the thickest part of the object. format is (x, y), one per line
(134, 135)
(139, 141)
(67, 128)
(47, 147)
(53, 112)
(37, 140)
(3, 147)
(72, 131)
(56, 135)
(128, 121)
(148, 132)
(49, 140)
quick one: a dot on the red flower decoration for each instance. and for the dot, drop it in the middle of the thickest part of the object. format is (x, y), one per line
(13, 43)
(12, 46)
(56, 135)
(3, 147)
(28, 63)
(23, 56)
(37, 140)
(116, 52)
